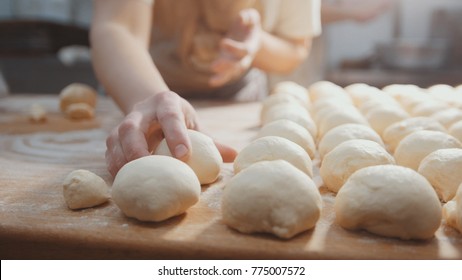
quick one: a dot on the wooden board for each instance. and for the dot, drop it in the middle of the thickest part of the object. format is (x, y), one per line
(36, 223)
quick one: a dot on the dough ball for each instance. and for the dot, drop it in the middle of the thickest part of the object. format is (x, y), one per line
(155, 188)
(273, 148)
(389, 200)
(393, 134)
(456, 130)
(277, 99)
(293, 89)
(205, 158)
(428, 108)
(325, 89)
(77, 93)
(336, 118)
(293, 113)
(374, 103)
(417, 145)
(83, 189)
(338, 165)
(440, 89)
(380, 118)
(325, 106)
(285, 107)
(80, 111)
(291, 131)
(442, 168)
(345, 132)
(448, 117)
(452, 211)
(361, 93)
(37, 113)
(272, 197)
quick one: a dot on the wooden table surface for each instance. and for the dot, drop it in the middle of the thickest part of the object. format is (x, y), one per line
(36, 223)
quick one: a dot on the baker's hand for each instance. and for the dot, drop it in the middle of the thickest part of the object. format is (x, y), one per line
(163, 115)
(238, 48)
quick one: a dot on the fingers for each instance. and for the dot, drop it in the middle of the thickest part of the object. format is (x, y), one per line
(115, 157)
(132, 137)
(227, 153)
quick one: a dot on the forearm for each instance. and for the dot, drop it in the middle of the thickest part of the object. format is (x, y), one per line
(277, 55)
(123, 66)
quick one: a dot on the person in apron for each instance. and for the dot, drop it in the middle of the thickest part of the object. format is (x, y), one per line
(153, 56)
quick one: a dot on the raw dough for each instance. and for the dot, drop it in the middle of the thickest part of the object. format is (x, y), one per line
(291, 131)
(325, 89)
(417, 145)
(276, 99)
(294, 113)
(273, 197)
(155, 188)
(80, 111)
(336, 118)
(37, 113)
(456, 130)
(205, 158)
(393, 134)
(442, 168)
(293, 89)
(77, 93)
(389, 200)
(273, 148)
(452, 211)
(346, 132)
(448, 117)
(348, 157)
(83, 189)
(382, 117)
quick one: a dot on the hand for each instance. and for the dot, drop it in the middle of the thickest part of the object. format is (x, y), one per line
(163, 115)
(237, 49)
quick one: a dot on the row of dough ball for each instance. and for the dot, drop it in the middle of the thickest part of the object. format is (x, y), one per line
(356, 154)
(151, 188)
(272, 190)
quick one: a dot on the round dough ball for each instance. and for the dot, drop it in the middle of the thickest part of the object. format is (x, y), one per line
(155, 188)
(77, 93)
(380, 118)
(336, 118)
(205, 159)
(325, 106)
(428, 108)
(338, 165)
(393, 134)
(440, 89)
(293, 113)
(291, 131)
(362, 93)
(345, 132)
(80, 111)
(277, 99)
(273, 148)
(284, 107)
(442, 168)
(324, 89)
(272, 197)
(456, 130)
(293, 89)
(452, 211)
(83, 189)
(448, 117)
(374, 103)
(417, 145)
(389, 200)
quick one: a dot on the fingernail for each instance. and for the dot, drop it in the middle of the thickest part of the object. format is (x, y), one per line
(181, 151)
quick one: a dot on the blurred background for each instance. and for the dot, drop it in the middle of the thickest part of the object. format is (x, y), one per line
(44, 45)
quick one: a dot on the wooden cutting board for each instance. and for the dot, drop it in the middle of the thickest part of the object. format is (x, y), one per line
(36, 223)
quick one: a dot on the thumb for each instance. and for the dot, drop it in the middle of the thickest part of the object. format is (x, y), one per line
(227, 153)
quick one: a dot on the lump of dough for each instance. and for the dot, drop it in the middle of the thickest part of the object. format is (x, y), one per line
(380, 118)
(338, 165)
(442, 168)
(452, 211)
(205, 159)
(37, 113)
(456, 130)
(83, 189)
(80, 111)
(336, 118)
(448, 117)
(325, 89)
(345, 132)
(393, 134)
(276, 99)
(417, 145)
(389, 200)
(291, 131)
(77, 93)
(155, 188)
(294, 113)
(273, 148)
(272, 197)
(292, 88)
